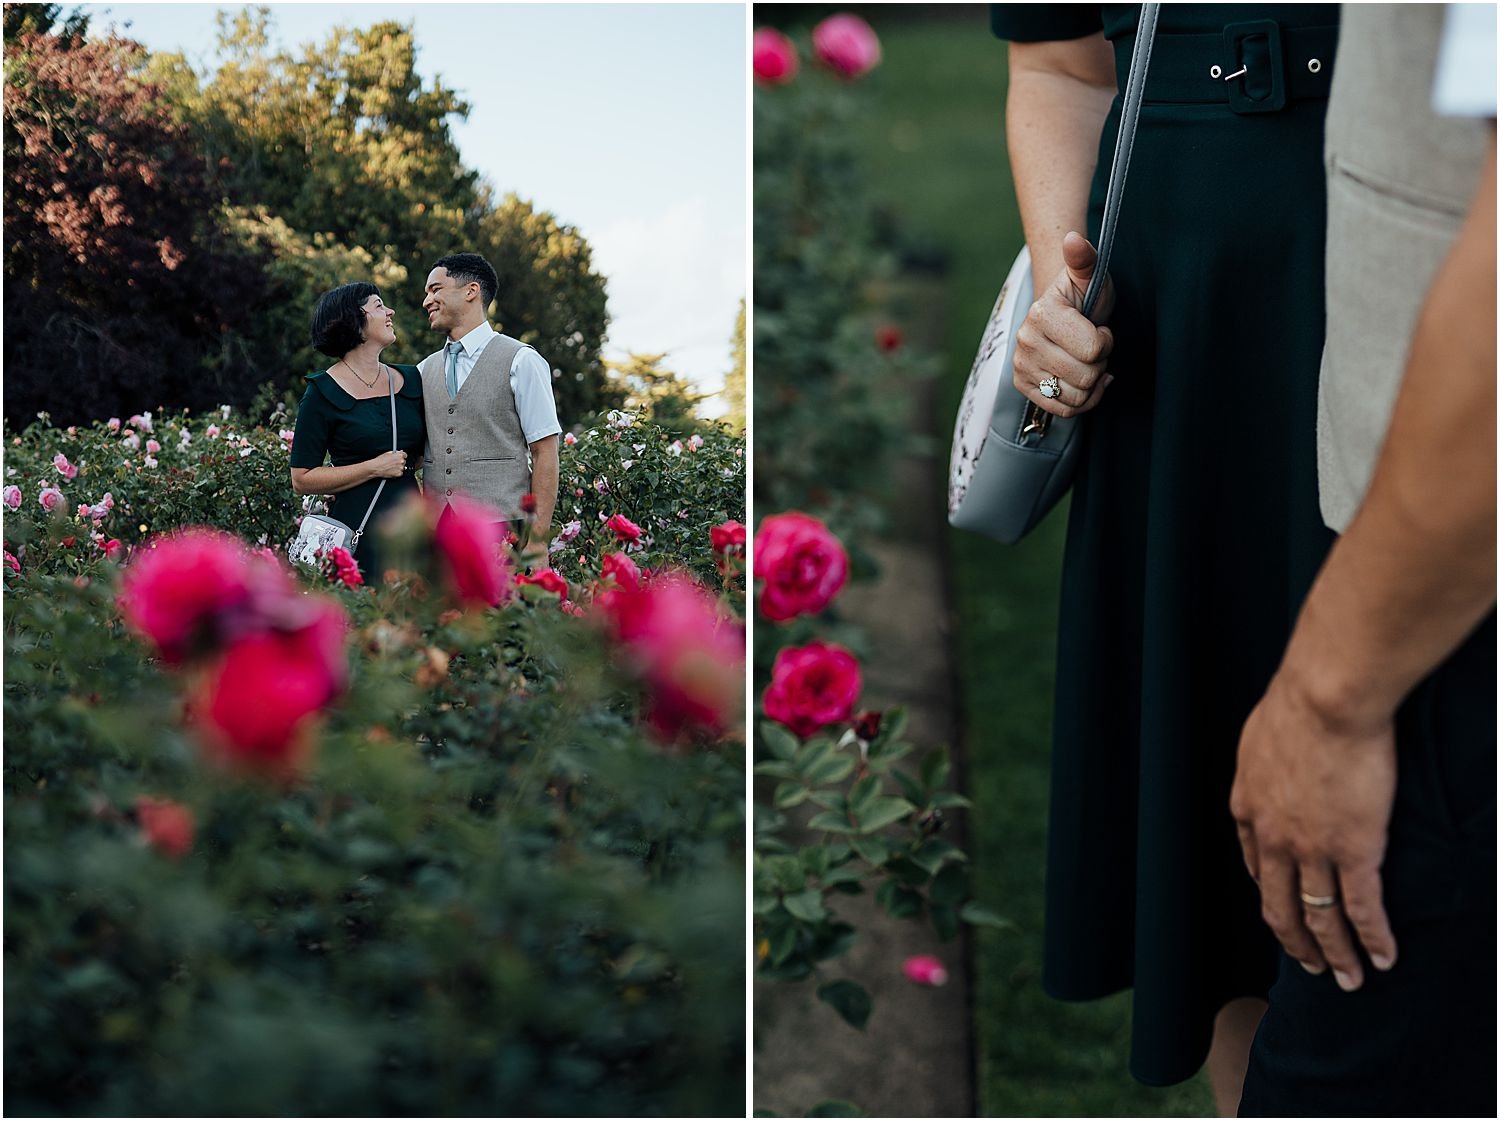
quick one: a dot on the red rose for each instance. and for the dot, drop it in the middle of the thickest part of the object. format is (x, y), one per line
(469, 535)
(867, 726)
(812, 686)
(623, 528)
(773, 57)
(847, 45)
(547, 580)
(268, 684)
(187, 589)
(622, 570)
(889, 338)
(730, 535)
(166, 825)
(528, 504)
(802, 564)
(114, 548)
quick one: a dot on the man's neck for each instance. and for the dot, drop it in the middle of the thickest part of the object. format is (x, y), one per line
(458, 333)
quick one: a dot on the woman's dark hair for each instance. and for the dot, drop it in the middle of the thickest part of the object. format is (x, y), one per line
(471, 268)
(338, 322)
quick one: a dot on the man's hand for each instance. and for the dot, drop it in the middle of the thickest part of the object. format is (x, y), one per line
(1312, 799)
(1057, 341)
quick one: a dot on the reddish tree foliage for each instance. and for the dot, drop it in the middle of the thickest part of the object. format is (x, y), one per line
(121, 292)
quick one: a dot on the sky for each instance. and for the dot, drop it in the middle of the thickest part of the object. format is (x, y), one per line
(627, 121)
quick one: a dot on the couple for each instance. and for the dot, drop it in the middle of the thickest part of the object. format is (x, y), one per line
(479, 411)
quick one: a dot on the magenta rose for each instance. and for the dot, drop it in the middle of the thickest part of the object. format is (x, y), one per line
(802, 564)
(468, 536)
(773, 57)
(547, 580)
(621, 569)
(623, 528)
(847, 45)
(811, 687)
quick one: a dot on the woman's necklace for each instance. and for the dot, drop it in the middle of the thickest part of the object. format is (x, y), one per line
(367, 384)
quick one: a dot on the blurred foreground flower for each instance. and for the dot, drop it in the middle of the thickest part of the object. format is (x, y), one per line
(924, 969)
(166, 825)
(811, 687)
(773, 57)
(468, 536)
(889, 337)
(691, 660)
(802, 564)
(847, 45)
(547, 580)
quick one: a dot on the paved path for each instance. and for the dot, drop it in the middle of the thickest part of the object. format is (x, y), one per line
(914, 1059)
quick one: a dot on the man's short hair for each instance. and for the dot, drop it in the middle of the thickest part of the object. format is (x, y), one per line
(470, 268)
(338, 322)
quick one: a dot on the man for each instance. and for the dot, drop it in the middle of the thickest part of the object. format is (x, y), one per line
(492, 430)
(1365, 794)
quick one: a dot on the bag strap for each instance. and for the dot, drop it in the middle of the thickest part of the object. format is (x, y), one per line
(358, 533)
(1035, 420)
(1130, 111)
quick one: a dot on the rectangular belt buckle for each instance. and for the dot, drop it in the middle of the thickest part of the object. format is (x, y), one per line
(1261, 38)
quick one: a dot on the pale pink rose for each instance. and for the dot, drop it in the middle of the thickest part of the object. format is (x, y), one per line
(212, 431)
(84, 510)
(924, 969)
(13, 497)
(245, 451)
(847, 45)
(64, 468)
(149, 461)
(695, 441)
(108, 501)
(569, 439)
(131, 441)
(142, 421)
(773, 57)
(152, 446)
(50, 498)
(114, 424)
(674, 448)
(11, 562)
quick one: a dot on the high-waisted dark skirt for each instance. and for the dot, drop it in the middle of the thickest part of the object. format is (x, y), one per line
(1193, 537)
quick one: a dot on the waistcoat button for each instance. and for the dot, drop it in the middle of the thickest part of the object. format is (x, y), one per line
(448, 491)
(450, 408)
(448, 471)
(450, 451)
(450, 431)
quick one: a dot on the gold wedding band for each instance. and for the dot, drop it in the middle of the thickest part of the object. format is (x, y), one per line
(1320, 900)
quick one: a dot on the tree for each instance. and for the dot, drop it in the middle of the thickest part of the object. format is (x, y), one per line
(40, 19)
(122, 290)
(734, 380)
(649, 387)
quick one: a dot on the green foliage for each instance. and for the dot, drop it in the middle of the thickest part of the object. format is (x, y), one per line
(491, 892)
(734, 380)
(650, 387)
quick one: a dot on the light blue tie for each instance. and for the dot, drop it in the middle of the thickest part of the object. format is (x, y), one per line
(453, 350)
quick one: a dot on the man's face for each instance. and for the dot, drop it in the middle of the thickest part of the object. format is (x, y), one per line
(446, 300)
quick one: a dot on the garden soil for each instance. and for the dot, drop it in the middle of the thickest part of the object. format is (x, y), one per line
(915, 1056)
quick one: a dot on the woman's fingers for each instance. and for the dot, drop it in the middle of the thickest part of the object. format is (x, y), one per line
(1039, 359)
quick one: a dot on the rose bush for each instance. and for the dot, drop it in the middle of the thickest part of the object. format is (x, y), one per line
(498, 864)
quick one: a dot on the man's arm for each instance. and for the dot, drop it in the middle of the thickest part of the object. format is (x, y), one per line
(1405, 585)
(544, 476)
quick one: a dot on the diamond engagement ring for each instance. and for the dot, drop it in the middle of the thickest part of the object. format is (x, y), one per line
(1050, 388)
(1319, 900)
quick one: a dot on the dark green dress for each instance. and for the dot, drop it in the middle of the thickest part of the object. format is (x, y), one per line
(333, 425)
(1193, 536)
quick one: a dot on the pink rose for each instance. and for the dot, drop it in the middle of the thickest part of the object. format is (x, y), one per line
(114, 549)
(108, 501)
(773, 57)
(847, 45)
(802, 564)
(190, 590)
(924, 969)
(547, 580)
(344, 567)
(691, 661)
(11, 562)
(260, 695)
(812, 686)
(114, 424)
(568, 533)
(152, 447)
(468, 536)
(623, 528)
(50, 498)
(64, 468)
(727, 537)
(13, 497)
(131, 441)
(84, 510)
(622, 570)
(167, 825)
(569, 439)
(212, 431)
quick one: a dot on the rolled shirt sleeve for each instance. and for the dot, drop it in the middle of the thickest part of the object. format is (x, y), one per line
(1464, 82)
(531, 385)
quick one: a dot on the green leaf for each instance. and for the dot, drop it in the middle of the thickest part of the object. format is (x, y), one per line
(883, 812)
(783, 941)
(908, 871)
(899, 902)
(863, 794)
(835, 1107)
(831, 821)
(776, 769)
(947, 800)
(835, 768)
(944, 921)
(806, 905)
(846, 873)
(910, 787)
(873, 849)
(849, 1000)
(778, 739)
(935, 768)
(933, 853)
(950, 885)
(790, 794)
(977, 914)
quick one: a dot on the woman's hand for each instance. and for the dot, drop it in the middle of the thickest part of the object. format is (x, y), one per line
(388, 465)
(1057, 341)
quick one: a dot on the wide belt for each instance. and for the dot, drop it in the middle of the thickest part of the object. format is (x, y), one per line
(1253, 67)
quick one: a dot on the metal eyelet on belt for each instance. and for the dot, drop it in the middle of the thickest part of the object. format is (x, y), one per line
(1314, 65)
(1216, 72)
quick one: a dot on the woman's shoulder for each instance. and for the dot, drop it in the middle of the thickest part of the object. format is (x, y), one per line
(322, 388)
(411, 379)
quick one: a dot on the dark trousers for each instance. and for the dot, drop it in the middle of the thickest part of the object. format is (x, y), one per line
(1418, 1041)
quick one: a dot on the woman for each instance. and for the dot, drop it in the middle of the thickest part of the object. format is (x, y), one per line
(1194, 529)
(346, 416)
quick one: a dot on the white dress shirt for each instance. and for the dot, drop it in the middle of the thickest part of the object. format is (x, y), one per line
(530, 382)
(1464, 83)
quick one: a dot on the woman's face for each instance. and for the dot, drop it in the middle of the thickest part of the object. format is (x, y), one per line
(379, 321)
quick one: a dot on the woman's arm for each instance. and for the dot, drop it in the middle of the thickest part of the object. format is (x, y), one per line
(332, 480)
(1060, 93)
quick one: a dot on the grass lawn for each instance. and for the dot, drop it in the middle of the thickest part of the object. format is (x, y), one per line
(934, 141)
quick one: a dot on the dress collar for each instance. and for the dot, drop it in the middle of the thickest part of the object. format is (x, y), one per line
(339, 397)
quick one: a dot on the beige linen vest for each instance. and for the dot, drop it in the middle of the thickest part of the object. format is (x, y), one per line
(1400, 179)
(475, 445)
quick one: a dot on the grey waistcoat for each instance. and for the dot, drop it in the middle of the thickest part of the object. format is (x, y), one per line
(475, 445)
(1400, 179)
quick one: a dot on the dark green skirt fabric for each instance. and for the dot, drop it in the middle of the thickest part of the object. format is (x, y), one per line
(1193, 536)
